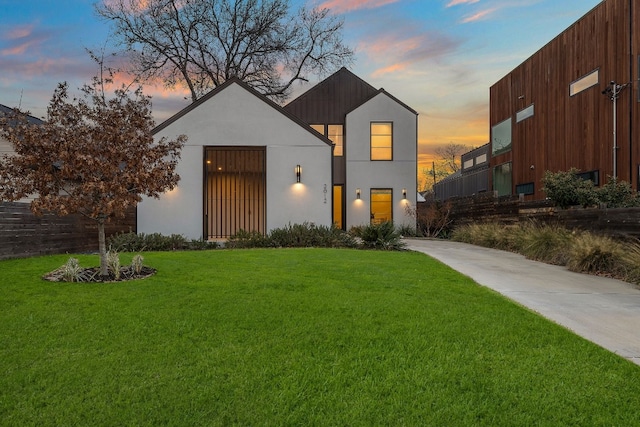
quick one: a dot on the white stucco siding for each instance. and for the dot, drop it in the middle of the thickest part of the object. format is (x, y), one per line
(236, 117)
(289, 202)
(397, 174)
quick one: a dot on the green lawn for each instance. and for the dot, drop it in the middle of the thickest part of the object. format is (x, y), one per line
(293, 337)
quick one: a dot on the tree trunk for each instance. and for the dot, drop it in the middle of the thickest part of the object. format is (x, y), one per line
(102, 248)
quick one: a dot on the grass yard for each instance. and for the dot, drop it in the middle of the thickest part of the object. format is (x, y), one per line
(293, 337)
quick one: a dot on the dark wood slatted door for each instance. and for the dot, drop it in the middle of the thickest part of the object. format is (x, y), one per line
(235, 190)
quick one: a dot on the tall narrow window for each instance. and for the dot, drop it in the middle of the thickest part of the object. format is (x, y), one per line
(501, 137)
(318, 128)
(382, 141)
(381, 205)
(502, 179)
(337, 206)
(336, 134)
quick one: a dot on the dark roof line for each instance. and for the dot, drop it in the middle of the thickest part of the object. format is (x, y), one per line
(4, 110)
(218, 89)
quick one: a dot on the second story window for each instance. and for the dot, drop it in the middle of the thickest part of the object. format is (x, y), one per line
(336, 134)
(382, 141)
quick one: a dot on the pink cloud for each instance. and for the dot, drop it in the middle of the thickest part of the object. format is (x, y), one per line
(342, 6)
(400, 53)
(478, 16)
(19, 32)
(457, 2)
(393, 68)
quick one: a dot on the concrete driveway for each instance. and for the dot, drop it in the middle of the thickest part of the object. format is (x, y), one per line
(602, 310)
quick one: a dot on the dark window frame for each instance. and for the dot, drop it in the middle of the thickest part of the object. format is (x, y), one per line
(371, 140)
(371, 191)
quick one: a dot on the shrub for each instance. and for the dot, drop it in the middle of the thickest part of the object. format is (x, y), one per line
(617, 194)
(71, 271)
(490, 235)
(382, 236)
(132, 242)
(310, 235)
(546, 243)
(568, 189)
(247, 239)
(137, 263)
(113, 263)
(630, 261)
(433, 219)
(590, 253)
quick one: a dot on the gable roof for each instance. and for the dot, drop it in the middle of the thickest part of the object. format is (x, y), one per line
(5, 111)
(396, 100)
(252, 91)
(330, 100)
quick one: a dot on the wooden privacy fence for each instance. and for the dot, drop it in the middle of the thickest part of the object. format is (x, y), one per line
(22, 234)
(619, 222)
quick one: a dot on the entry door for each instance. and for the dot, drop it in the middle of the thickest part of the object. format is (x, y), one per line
(235, 188)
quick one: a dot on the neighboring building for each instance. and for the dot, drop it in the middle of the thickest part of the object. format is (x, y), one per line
(247, 165)
(375, 154)
(555, 110)
(471, 179)
(5, 146)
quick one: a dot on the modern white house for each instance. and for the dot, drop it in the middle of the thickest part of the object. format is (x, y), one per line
(247, 165)
(375, 159)
(343, 153)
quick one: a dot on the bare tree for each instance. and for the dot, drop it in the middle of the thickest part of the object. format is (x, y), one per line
(94, 156)
(449, 157)
(448, 161)
(202, 43)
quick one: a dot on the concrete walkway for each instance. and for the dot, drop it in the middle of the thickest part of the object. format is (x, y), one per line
(602, 310)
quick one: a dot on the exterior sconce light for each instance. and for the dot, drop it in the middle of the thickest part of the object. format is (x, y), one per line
(298, 171)
(404, 193)
(358, 193)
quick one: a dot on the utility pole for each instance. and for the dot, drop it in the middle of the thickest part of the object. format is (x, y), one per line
(613, 93)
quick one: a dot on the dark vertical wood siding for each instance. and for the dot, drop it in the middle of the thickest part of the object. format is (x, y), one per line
(328, 102)
(235, 190)
(574, 131)
(23, 234)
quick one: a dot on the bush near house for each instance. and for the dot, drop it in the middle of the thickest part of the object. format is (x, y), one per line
(384, 236)
(569, 189)
(132, 242)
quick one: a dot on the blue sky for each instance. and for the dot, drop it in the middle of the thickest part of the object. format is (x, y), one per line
(438, 56)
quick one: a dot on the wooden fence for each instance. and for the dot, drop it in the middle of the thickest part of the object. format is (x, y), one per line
(22, 234)
(619, 222)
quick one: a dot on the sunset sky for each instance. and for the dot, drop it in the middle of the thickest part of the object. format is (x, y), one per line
(438, 56)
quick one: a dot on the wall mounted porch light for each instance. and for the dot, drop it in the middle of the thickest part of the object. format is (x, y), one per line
(298, 171)
(358, 193)
(404, 193)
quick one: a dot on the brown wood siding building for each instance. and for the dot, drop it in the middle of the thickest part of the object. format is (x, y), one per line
(559, 116)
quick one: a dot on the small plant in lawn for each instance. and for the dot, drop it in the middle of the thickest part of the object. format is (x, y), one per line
(113, 262)
(136, 263)
(71, 271)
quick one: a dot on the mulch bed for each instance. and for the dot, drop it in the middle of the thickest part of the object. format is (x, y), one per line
(92, 275)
